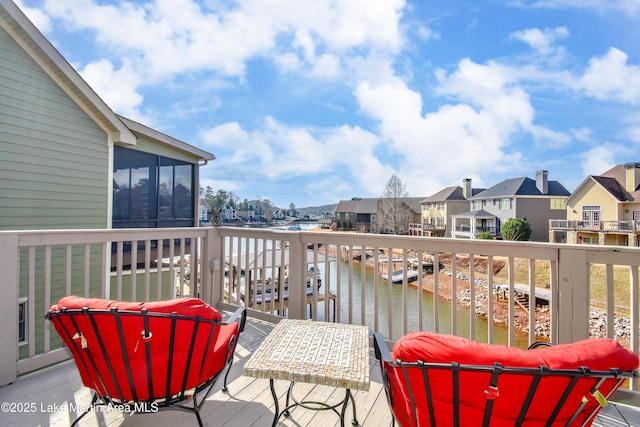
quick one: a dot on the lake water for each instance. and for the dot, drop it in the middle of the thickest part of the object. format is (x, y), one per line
(361, 292)
(354, 292)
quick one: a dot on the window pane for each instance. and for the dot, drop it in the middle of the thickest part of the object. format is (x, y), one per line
(165, 192)
(141, 193)
(182, 191)
(121, 187)
(148, 187)
(134, 184)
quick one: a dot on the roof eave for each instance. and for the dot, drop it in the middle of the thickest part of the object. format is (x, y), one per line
(161, 138)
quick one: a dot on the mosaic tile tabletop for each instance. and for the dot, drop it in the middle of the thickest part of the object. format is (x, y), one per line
(308, 351)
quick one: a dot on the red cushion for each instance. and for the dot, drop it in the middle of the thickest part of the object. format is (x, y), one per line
(596, 354)
(95, 370)
(183, 306)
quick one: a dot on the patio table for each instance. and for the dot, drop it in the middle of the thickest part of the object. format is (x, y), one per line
(331, 354)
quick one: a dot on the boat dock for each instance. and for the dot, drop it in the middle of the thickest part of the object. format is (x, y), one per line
(543, 296)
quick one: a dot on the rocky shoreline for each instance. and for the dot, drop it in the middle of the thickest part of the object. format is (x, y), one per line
(597, 321)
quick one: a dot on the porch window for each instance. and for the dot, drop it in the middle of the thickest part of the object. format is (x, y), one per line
(151, 191)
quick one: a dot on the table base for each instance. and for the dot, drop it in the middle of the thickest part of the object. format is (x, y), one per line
(312, 405)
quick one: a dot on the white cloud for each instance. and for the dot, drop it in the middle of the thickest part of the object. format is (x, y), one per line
(37, 16)
(304, 41)
(598, 160)
(327, 66)
(626, 6)
(610, 78)
(162, 39)
(275, 150)
(471, 121)
(633, 133)
(118, 88)
(543, 41)
(582, 134)
(493, 90)
(225, 135)
(454, 141)
(169, 37)
(426, 33)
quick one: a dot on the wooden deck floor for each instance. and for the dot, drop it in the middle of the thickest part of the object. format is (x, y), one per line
(47, 397)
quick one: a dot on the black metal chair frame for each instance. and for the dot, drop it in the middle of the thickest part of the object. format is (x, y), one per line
(170, 400)
(383, 355)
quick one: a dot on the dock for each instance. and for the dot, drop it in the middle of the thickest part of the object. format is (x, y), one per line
(520, 289)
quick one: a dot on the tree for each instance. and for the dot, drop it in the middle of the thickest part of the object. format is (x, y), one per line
(516, 229)
(396, 213)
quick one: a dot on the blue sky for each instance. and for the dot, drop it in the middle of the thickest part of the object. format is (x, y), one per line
(311, 102)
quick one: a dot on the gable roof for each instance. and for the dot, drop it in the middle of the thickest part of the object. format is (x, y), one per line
(521, 187)
(163, 139)
(358, 205)
(453, 193)
(119, 130)
(369, 205)
(480, 213)
(414, 203)
(346, 206)
(613, 181)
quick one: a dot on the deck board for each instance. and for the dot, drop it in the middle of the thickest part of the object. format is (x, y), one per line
(248, 401)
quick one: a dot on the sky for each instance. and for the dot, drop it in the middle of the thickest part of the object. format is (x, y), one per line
(313, 102)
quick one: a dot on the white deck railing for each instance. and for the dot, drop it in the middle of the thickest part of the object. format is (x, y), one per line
(242, 266)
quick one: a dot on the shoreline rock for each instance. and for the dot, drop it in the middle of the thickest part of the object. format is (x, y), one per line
(597, 320)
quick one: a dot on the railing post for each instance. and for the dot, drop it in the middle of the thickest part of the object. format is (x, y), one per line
(212, 264)
(573, 283)
(297, 278)
(9, 307)
(206, 268)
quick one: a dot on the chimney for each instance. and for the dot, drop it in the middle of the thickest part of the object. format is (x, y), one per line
(466, 188)
(542, 181)
(632, 172)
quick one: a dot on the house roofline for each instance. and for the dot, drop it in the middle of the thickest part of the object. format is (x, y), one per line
(161, 138)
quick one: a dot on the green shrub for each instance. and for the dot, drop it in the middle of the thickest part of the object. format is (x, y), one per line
(516, 229)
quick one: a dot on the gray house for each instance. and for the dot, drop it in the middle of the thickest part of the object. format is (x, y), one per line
(358, 214)
(539, 200)
(438, 210)
(68, 161)
(374, 215)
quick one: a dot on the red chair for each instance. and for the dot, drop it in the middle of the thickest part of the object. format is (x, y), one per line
(443, 380)
(143, 357)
